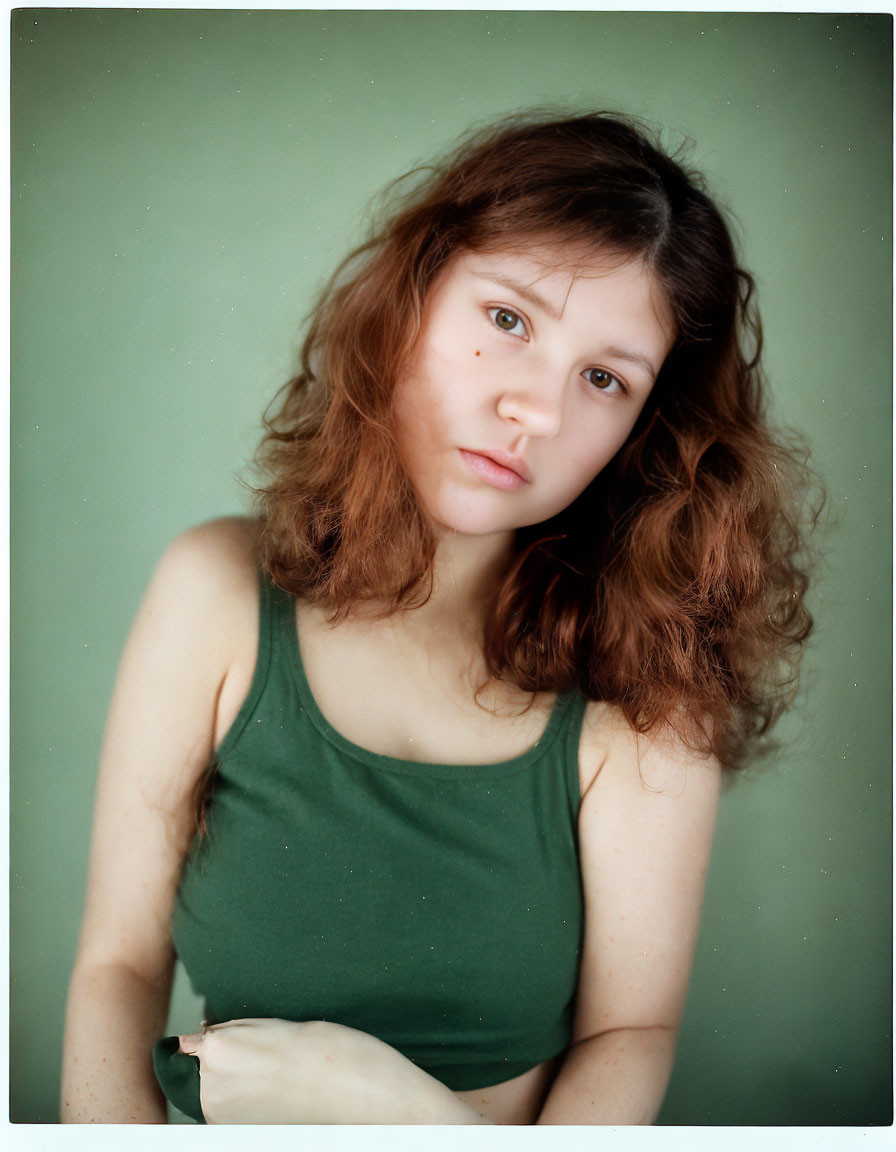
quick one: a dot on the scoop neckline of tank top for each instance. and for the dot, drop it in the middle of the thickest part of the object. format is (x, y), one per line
(559, 712)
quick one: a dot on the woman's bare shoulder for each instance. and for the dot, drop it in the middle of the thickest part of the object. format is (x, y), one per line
(612, 751)
(201, 606)
(221, 554)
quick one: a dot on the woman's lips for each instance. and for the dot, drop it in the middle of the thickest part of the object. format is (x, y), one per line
(498, 470)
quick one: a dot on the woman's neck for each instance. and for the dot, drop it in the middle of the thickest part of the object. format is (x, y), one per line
(465, 571)
(442, 639)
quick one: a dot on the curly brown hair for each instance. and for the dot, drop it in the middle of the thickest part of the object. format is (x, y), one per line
(674, 585)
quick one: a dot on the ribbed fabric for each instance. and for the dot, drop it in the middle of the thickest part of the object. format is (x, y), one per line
(435, 906)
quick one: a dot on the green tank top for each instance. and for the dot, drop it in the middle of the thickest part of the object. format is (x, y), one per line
(435, 906)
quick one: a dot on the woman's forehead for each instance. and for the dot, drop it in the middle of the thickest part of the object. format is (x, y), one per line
(553, 253)
(561, 263)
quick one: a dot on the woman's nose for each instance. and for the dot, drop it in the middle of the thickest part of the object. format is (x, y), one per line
(536, 409)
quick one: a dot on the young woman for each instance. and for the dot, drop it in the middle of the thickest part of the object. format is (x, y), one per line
(453, 710)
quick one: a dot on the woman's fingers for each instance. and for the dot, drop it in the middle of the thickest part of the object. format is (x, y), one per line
(189, 1043)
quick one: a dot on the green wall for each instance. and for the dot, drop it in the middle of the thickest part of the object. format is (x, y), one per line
(183, 181)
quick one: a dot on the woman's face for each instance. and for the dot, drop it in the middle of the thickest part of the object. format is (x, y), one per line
(528, 375)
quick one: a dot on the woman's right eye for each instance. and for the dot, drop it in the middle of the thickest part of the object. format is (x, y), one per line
(508, 321)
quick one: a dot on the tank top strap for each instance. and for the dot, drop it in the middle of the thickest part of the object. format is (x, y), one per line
(276, 610)
(277, 625)
(571, 706)
(276, 607)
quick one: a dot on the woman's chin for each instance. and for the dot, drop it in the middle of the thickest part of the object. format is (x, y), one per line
(472, 527)
(481, 514)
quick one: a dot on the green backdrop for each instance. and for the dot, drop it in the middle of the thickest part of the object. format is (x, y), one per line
(181, 184)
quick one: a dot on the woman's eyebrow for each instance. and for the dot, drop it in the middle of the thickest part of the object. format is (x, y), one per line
(527, 294)
(633, 358)
(534, 298)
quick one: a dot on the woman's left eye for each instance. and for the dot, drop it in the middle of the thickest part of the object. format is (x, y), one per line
(604, 381)
(507, 321)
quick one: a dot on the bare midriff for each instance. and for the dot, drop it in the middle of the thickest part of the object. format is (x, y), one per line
(516, 1101)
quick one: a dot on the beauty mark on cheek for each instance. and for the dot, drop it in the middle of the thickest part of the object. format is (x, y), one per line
(478, 353)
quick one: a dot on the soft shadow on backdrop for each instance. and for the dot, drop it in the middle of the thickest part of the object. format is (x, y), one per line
(183, 181)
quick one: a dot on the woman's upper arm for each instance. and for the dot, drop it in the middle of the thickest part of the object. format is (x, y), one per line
(158, 741)
(646, 826)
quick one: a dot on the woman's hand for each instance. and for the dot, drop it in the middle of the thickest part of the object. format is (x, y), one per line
(278, 1072)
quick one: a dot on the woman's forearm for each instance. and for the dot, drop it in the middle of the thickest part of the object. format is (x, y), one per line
(618, 1077)
(112, 1020)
